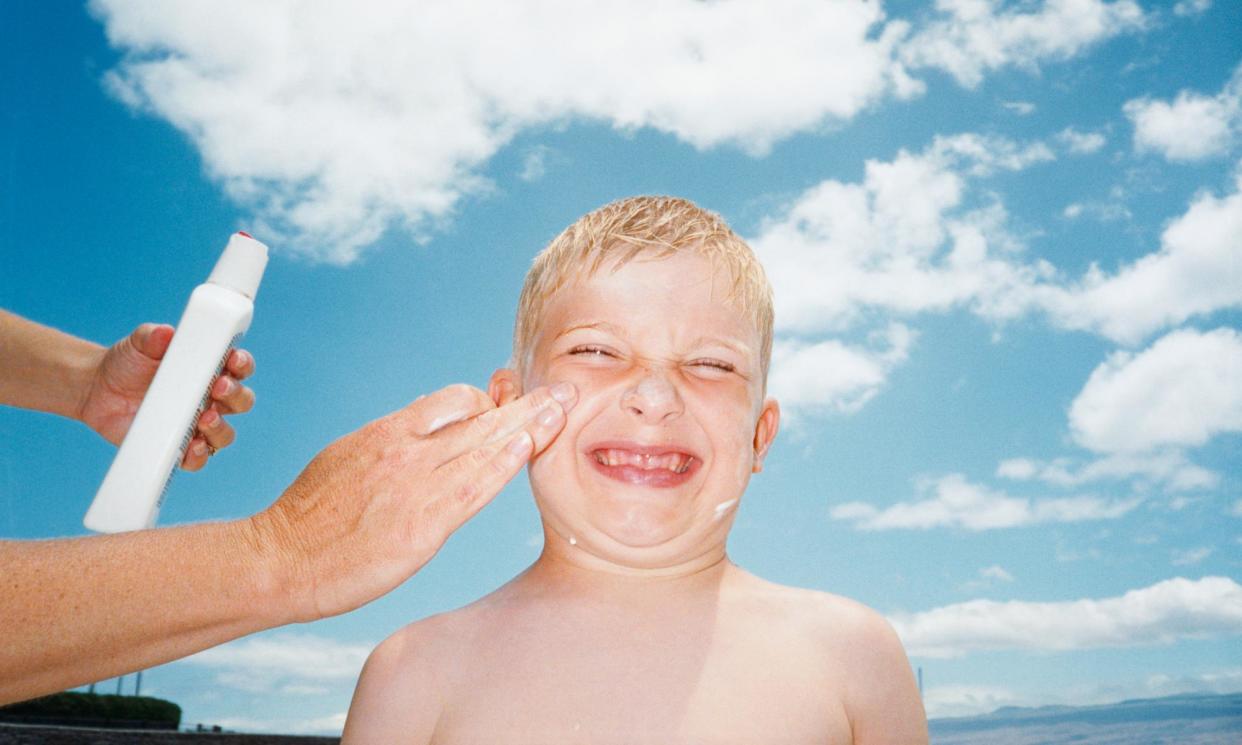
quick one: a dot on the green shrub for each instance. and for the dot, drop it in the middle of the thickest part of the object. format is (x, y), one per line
(70, 705)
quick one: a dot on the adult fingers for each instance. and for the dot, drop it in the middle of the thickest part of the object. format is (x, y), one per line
(195, 455)
(446, 406)
(480, 473)
(484, 471)
(503, 422)
(218, 433)
(230, 396)
(240, 364)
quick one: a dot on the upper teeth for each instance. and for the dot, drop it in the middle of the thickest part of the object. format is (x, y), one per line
(675, 462)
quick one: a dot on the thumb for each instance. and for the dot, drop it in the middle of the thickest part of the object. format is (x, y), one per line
(152, 340)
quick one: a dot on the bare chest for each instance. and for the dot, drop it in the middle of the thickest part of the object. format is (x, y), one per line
(662, 687)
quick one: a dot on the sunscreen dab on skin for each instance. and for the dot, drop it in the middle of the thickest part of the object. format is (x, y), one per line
(218, 313)
(723, 508)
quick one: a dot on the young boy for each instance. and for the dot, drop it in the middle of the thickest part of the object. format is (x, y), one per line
(633, 626)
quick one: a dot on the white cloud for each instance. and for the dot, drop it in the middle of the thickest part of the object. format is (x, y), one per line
(906, 240)
(1236, 509)
(333, 123)
(1177, 504)
(1181, 391)
(1170, 469)
(275, 662)
(1163, 613)
(987, 577)
(1190, 556)
(1081, 143)
(1228, 680)
(1191, 7)
(534, 163)
(983, 155)
(333, 723)
(996, 572)
(976, 37)
(1193, 126)
(911, 239)
(954, 502)
(1103, 211)
(1021, 108)
(900, 241)
(1197, 271)
(298, 689)
(1020, 469)
(327, 725)
(967, 700)
(831, 375)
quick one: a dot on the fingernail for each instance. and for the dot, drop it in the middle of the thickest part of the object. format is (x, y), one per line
(521, 445)
(210, 418)
(200, 448)
(565, 394)
(226, 386)
(549, 416)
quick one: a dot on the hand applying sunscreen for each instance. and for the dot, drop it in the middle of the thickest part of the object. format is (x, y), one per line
(218, 313)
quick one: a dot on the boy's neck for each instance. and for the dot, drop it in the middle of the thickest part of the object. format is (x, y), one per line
(574, 569)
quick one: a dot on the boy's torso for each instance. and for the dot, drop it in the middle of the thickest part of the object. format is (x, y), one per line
(754, 665)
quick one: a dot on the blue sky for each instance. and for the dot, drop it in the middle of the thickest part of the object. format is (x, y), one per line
(1004, 242)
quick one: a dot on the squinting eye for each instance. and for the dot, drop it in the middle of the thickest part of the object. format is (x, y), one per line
(590, 351)
(714, 364)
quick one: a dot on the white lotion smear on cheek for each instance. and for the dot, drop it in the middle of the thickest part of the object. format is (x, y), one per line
(573, 541)
(723, 508)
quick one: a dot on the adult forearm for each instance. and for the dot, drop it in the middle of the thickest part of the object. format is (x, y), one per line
(364, 516)
(42, 368)
(84, 609)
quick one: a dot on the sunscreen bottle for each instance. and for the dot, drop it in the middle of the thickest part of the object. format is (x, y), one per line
(218, 313)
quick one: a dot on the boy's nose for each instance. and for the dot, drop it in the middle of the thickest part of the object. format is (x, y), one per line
(653, 399)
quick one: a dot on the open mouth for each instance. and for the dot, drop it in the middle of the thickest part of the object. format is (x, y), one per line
(644, 466)
(675, 462)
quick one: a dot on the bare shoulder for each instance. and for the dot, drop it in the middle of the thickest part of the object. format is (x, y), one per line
(861, 653)
(400, 692)
(824, 618)
(407, 653)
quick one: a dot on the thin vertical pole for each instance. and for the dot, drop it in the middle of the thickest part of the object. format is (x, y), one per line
(118, 684)
(138, 685)
(920, 681)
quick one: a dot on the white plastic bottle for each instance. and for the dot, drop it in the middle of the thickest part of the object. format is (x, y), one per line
(218, 313)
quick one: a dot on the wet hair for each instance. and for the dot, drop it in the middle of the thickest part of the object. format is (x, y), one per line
(652, 227)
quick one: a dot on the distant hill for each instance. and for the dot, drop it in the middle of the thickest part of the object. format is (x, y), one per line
(1187, 719)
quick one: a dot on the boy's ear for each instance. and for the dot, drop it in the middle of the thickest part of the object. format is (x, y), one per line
(505, 386)
(765, 431)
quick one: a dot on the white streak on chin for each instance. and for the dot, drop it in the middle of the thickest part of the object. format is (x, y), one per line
(723, 508)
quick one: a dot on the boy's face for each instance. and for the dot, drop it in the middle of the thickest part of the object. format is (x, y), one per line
(670, 420)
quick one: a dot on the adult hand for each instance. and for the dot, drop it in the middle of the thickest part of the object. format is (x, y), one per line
(373, 507)
(124, 373)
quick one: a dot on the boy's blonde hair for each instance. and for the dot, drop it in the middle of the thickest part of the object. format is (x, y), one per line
(643, 226)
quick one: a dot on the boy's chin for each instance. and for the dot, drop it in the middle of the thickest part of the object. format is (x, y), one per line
(641, 532)
(644, 537)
